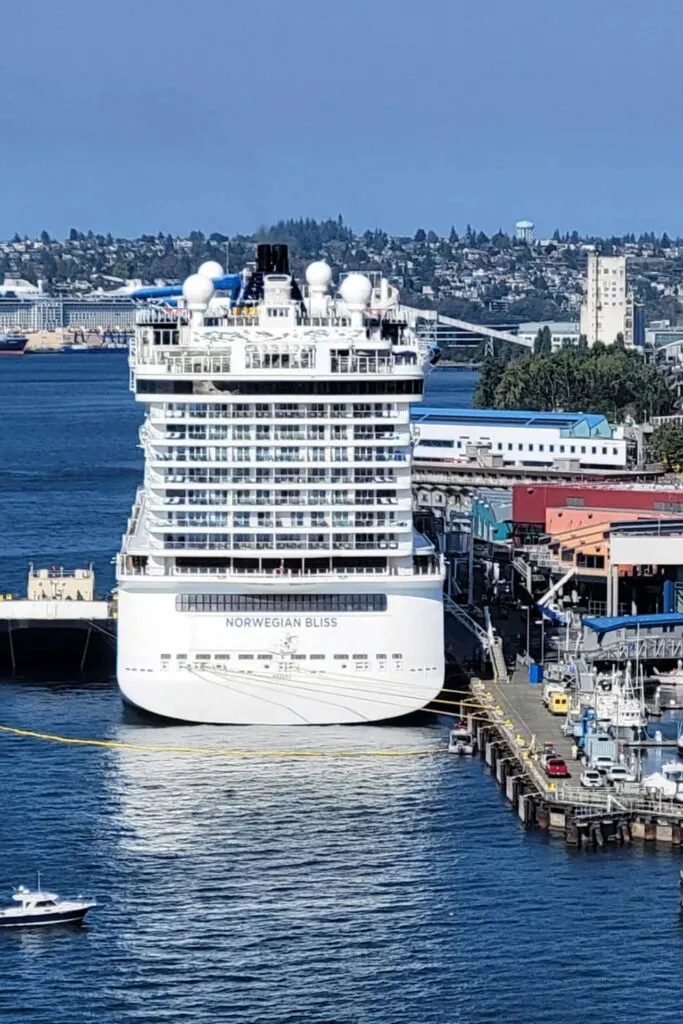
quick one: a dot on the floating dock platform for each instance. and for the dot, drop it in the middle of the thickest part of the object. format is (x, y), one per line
(59, 628)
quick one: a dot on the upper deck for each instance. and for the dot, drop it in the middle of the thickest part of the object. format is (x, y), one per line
(277, 332)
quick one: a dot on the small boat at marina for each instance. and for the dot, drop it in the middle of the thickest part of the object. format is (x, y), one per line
(460, 739)
(38, 908)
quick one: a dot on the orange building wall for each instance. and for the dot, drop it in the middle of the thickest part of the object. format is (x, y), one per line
(581, 530)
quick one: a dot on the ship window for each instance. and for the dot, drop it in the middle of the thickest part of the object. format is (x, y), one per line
(397, 657)
(265, 657)
(317, 657)
(290, 603)
(340, 657)
(245, 657)
(381, 657)
(361, 657)
(165, 657)
(223, 657)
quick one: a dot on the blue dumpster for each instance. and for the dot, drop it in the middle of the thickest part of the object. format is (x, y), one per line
(535, 673)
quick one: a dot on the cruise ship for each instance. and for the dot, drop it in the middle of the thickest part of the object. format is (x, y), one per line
(270, 573)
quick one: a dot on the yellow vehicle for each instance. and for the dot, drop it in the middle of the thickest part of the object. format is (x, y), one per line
(558, 704)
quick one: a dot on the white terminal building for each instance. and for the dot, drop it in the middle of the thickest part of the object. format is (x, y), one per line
(270, 572)
(518, 438)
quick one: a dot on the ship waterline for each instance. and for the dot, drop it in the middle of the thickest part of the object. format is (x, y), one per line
(270, 573)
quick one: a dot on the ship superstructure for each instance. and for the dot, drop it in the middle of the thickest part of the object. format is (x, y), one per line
(270, 573)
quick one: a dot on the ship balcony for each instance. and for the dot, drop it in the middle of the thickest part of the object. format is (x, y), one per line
(273, 413)
(153, 362)
(266, 520)
(406, 363)
(163, 473)
(262, 570)
(272, 499)
(306, 539)
(181, 456)
(237, 436)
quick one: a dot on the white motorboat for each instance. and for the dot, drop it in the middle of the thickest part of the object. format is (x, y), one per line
(461, 740)
(38, 908)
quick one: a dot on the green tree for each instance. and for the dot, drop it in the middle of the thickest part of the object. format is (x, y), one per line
(490, 375)
(611, 381)
(666, 444)
(543, 343)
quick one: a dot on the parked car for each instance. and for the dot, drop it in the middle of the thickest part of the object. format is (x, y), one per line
(556, 768)
(620, 773)
(591, 779)
(602, 763)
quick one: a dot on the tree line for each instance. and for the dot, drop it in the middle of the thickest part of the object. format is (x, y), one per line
(608, 380)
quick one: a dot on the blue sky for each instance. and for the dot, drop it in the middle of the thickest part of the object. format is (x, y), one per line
(221, 115)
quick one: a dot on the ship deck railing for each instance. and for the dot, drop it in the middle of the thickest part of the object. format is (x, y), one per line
(296, 546)
(431, 569)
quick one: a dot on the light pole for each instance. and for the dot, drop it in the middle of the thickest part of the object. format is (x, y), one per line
(527, 609)
(542, 639)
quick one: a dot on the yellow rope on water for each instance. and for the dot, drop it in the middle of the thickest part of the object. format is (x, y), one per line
(215, 752)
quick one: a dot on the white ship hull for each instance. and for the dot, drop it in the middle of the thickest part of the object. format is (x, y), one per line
(281, 669)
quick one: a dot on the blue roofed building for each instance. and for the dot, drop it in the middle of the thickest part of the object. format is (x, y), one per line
(518, 438)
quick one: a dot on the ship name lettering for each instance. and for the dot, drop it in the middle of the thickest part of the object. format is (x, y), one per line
(281, 621)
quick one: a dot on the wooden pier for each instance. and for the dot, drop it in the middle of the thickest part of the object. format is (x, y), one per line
(511, 726)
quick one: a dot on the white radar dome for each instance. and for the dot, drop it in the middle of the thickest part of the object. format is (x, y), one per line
(211, 269)
(318, 275)
(356, 290)
(197, 290)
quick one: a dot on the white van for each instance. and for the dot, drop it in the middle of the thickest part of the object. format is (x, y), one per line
(548, 689)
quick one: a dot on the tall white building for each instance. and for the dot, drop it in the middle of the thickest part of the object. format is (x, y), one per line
(607, 308)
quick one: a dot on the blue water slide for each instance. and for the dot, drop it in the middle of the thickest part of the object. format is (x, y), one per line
(228, 283)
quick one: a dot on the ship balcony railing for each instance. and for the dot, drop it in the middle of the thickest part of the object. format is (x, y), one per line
(206, 501)
(381, 457)
(361, 364)
(157, 361)
(178, 521)
(215, 411)
(421, 567)
(187, 478)
(210, 522)
(372, 437)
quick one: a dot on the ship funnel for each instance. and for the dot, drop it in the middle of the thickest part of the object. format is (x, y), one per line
(264, 258)
(280, 259)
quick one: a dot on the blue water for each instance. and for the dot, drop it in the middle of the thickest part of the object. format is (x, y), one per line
(327, 890)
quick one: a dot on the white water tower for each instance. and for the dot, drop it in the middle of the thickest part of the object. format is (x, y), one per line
(524, 231)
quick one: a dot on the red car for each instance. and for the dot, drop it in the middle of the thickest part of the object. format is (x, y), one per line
(556, 768)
